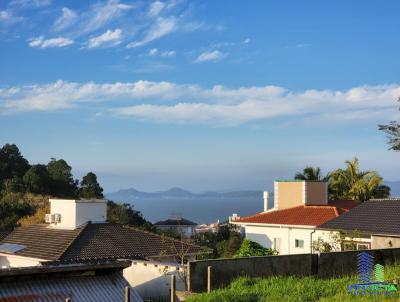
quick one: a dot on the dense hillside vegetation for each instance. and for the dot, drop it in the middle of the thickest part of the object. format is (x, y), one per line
(25, 190)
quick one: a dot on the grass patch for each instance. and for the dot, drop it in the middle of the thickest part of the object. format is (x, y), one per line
(294, 289)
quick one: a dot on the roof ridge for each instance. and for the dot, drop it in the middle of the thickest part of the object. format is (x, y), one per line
(336, 211)
(286, 209)
(158, 235)
(84, 226)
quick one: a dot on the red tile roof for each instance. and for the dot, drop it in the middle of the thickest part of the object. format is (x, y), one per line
(312, 215)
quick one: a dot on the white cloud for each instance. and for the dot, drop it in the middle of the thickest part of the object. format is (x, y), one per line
(224, 106)
(109, 38)
(155, 52)
(155, 8)
(161, 27)
(214, 55)
(30, 3)
(7, 17)
(67, 18)
(176, 103)
(247, 41)
(102, 14)
(168, 53)
(41, 42)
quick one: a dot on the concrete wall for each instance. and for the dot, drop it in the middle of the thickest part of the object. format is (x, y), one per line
(76, 212)
(7, 260)
(67, 209)
(4, 263)
(153, 279)
(345, 263)
(383, 242)
(288, 194)
(265, 235)
(316, 192)
(90, 211)
(226, 270)
(325, 265)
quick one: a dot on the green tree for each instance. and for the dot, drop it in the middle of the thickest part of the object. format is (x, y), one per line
(351, 183)
(37, 180)
(12, 163)
(392, 130)
(310, 174)
(13, 185)
(62, 182)
(251, 248)
(12, 208)
(231, 246)
(124, 213)
(90, 188)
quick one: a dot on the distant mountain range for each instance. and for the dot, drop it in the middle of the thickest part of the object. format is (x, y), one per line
(129, 195)
(200, 207)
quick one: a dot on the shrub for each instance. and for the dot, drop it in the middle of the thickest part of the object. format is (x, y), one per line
(251, 248)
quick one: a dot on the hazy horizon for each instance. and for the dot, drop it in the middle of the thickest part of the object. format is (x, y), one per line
(179, 93)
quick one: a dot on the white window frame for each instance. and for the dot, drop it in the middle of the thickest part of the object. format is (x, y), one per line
(297, 246)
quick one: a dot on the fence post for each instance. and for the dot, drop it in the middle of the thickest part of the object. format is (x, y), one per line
(209, 269)
(127, 294)
(173, 289)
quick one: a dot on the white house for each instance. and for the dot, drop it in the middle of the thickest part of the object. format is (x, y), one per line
(290, 226)
(179, 226)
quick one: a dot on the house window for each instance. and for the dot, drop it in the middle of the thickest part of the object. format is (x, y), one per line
(356, 246)
(298, 243)
(363, 246)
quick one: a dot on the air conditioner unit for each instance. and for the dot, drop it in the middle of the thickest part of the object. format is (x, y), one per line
(47, 218)
(57, 218)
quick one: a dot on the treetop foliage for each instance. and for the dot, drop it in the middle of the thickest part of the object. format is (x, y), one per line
(350, 182)
(392, 130)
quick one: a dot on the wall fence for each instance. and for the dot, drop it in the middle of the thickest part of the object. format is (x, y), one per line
(324, 265)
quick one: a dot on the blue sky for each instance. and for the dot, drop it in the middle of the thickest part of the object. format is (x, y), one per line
(207, 95)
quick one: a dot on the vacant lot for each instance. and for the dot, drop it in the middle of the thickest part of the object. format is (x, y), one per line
(293, 289)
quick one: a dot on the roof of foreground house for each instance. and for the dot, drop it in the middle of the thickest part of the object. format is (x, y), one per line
(309, 215)
(84, 283)
(3, 234)
(93, 242)
(375, 216)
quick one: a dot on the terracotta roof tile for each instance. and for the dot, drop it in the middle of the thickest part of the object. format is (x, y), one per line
(312, 215)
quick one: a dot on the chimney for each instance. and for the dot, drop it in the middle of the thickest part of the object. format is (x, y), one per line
(71, 213)
(266, 197)
(291, 193)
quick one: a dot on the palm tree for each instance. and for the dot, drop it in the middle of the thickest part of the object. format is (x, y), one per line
(309, 174)
(351, 183)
